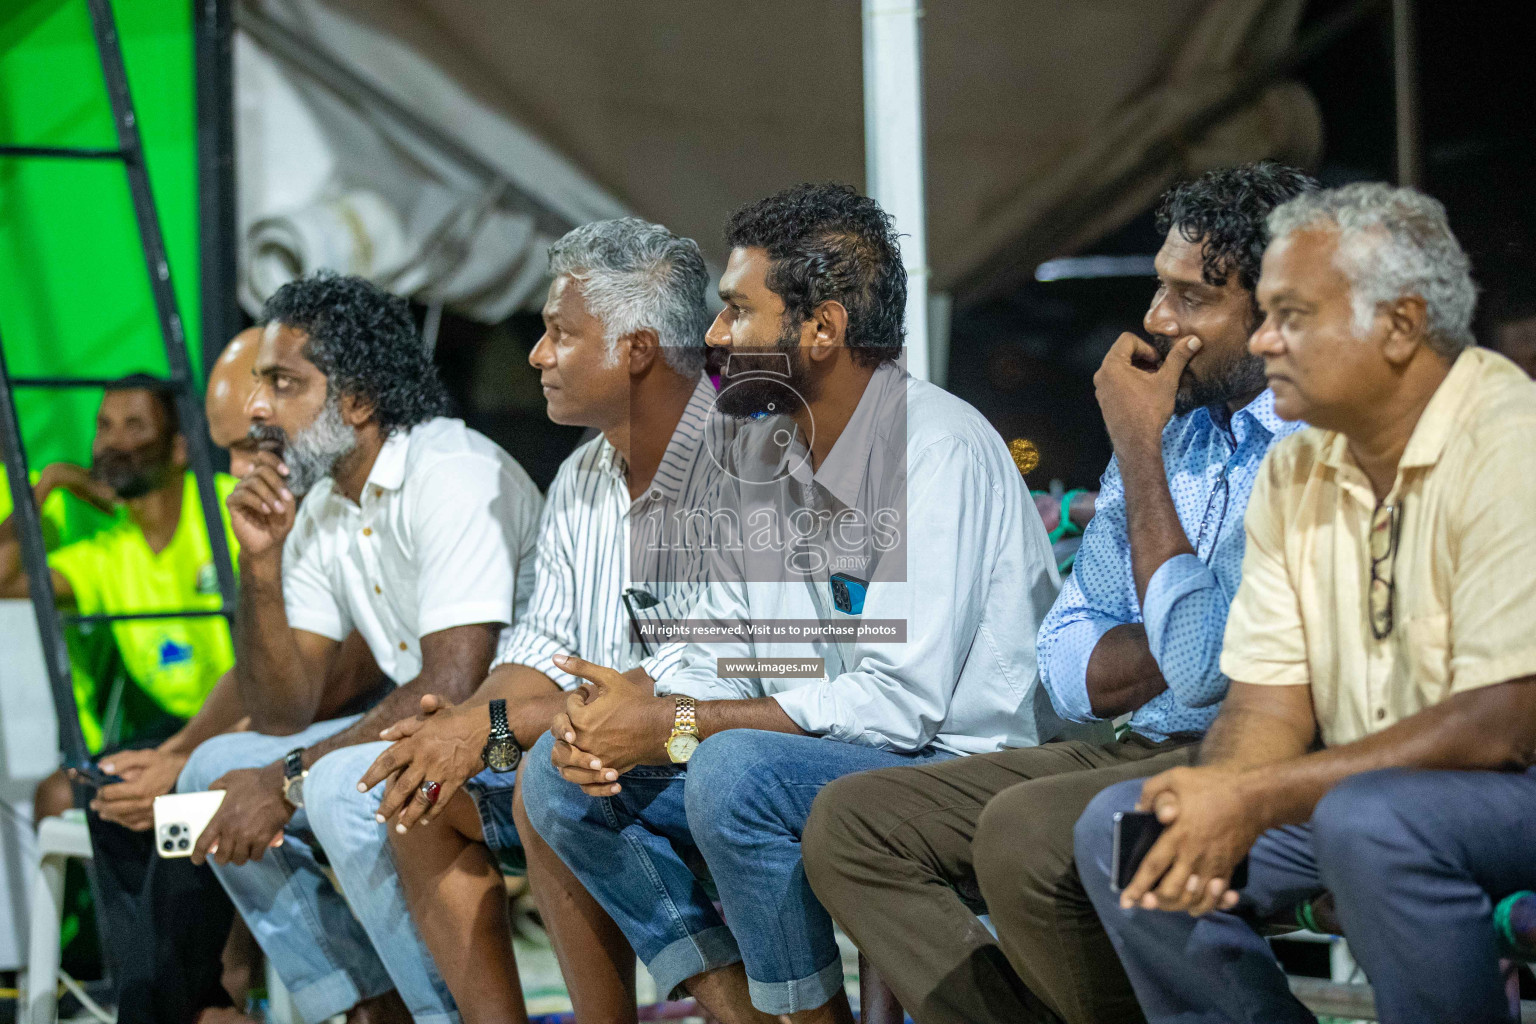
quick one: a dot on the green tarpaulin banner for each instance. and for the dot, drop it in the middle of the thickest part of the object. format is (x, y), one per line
(74, 295)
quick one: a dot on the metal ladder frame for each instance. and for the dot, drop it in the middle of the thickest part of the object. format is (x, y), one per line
(181, 384)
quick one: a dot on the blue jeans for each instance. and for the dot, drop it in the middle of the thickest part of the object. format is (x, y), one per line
(740, 806)
(328, 959)
(1415, 862)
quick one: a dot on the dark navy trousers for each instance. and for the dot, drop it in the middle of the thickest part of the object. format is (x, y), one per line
(1416, 861)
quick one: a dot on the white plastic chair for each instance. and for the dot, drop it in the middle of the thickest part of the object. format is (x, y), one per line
(58, 839)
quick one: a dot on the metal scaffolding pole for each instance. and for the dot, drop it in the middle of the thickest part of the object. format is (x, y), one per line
(1405, 91)
(893, 148)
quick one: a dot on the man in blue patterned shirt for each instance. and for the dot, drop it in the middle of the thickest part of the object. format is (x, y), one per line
(905, 858)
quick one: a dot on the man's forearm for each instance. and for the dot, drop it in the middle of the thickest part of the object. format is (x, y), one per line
(454, 664)
(1152, 522)
(1122, 674)
(269, 667)
(1242, 738)
(403, 702)
(221, 712)
(1490, 729)
(533, 700)
(711, 716)
(13, 582)
(762, 713)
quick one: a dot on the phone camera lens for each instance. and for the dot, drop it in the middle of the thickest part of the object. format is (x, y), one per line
(168, 846)
(174, 830)
(183, 843)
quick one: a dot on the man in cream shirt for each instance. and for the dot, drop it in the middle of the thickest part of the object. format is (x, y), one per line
(1385, 609)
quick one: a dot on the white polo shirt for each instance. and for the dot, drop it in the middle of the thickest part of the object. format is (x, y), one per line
(443, 536)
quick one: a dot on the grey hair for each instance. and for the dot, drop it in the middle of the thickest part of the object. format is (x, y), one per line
(635, 275)
(1392, 242)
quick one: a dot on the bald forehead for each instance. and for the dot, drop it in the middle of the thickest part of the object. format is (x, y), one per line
(232, 370)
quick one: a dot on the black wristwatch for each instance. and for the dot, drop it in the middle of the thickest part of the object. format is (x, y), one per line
(501, 753)
(294, 774)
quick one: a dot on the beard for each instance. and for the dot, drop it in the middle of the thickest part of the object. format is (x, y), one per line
(1240, 375)
(765, 389)
(312, 453)
(135, 472)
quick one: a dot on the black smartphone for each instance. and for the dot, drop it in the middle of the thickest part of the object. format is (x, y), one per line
(88, 773)
(1135, 834)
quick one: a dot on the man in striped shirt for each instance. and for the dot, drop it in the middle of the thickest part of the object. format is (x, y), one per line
(622, 352)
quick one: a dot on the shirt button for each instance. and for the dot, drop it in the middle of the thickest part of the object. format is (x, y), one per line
(376, 589)
(402, 645)
(1381, 713)
(367, 531)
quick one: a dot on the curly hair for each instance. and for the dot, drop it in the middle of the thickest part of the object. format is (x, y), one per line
(827, 242)
(364, 340)
(1225, 211)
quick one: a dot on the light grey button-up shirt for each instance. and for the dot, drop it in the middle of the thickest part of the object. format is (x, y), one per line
(920, 498)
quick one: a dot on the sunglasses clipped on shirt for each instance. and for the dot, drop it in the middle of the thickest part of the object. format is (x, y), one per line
(1386, 523)
(635, 597)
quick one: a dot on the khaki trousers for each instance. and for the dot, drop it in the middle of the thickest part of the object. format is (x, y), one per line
(905, 858)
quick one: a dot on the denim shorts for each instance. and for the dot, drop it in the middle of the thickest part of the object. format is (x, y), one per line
(492, 794)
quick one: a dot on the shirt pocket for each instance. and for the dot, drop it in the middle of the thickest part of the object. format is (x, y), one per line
(1428, 649)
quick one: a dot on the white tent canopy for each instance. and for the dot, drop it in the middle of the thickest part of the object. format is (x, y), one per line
(439, 145)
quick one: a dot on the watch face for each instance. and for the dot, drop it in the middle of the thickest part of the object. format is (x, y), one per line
(680, 747)
(502, 755)
(293, 790)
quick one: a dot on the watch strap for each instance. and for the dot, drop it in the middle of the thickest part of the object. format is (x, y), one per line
(293, 763)
(500, 730)
(686, 719)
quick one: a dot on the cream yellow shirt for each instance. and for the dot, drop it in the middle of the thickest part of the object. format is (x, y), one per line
(1465, 602)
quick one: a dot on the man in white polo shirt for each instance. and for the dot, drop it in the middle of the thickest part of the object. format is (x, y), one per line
(416, 532)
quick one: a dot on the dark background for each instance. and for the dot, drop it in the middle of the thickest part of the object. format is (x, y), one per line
(1027, 360)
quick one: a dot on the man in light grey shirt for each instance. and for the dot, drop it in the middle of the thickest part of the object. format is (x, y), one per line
(875, 529)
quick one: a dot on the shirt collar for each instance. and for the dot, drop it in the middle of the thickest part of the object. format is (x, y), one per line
(1441, 415)
(1257, 415)
(683, 447)
(688, 436)
(842, 472)
(1435, 425)
(388, 470)
(609, 460)
(1260, 414)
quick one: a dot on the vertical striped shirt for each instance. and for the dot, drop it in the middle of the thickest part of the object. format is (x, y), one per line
(595, 544)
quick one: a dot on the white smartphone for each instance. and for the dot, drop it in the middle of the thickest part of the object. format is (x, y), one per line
(180, 818)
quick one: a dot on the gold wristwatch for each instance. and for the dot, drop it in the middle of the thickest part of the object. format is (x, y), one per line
(685, 732)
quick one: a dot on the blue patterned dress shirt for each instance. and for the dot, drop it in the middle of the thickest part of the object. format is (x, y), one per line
(1212, 461)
